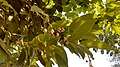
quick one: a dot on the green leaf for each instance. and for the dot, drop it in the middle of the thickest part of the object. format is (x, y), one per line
(38, 44)
(49, 63)
(73, 49)
(33, 66)
(40, 41)
(81, 26)
(55, 18)
(74, 24)
(81, 52)
(86, 50)
(3, 56)
(107, 29)
(108, 1)
(8, 5)
(98, 45)
(37, 9)
(58, 2)
(116, 29)
(96, 1)
(67, 8)
(46, 1)
(73, 1)
(61, 57)
(4, 47)
(59, 8)
(90, 36)
(71, 14)
(43, 37)
(22, 57)
(52, 10)
(60, 23)
(52, 41)
(51, 3)
(64, 2)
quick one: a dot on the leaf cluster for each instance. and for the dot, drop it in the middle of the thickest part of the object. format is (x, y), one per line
(39, 30)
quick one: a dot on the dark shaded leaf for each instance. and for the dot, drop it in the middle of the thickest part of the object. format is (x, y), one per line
(33, 66)
(73, 1)
(3, 56)
(73, 49)
(67, 8)
(22, 57)
(81, 52)
(58, 2)
(40, 3)
(61, 57)
(16, 4)
(55, 18)
(59, 8)
(52, 10)
(64, 2)
(86, 50)
(4, 47)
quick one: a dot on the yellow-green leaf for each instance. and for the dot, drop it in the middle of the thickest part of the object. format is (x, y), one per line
(107, 30)
(61, 57)
(98, 45)
(37, 9)
(116, 29)
(3, 56)
(73, 1)
(86, 50)
(81, 26)
(4, 47)
(80, 51)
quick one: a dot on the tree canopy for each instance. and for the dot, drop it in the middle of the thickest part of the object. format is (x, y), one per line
(38, 30)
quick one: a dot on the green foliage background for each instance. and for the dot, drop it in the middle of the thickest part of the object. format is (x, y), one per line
(32, 30)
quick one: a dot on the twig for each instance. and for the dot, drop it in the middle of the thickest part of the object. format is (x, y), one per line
(90, 63)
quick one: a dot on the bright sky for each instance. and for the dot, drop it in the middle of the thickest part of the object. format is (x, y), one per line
(99, 60)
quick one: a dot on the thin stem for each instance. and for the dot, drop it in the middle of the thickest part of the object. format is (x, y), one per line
(90, 63)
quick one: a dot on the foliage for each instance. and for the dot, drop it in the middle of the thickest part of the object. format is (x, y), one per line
(32, 30)
(115, 60)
